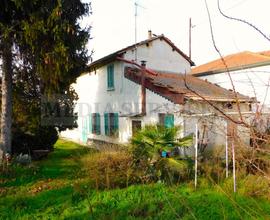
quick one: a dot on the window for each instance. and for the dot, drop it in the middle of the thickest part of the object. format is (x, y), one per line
(111, 124)
(110, 77)
(166, 120)
(95, 123)
(136, 126)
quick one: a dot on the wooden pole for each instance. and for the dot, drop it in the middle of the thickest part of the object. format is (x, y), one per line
(226, 150)
(234, 172)
(196, 154)
(135, 16)
(190, 26)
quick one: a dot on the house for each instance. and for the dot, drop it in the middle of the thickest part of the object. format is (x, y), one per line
(145, 84)
(249, 72)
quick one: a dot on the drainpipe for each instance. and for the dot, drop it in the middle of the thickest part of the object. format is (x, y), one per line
(143, 89)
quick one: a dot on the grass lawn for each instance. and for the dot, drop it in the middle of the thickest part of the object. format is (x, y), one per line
(57, 188)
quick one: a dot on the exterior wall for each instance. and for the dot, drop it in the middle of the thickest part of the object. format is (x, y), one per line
(252, 82)
(161, 57)
(125, 98)
(213, 127)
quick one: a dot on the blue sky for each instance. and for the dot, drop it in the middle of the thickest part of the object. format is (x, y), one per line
(113, 26)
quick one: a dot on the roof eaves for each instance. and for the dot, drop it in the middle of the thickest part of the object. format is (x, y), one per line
(241, 67)
(111, 57)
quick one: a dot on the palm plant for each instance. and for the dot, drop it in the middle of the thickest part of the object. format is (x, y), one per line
(148, 143)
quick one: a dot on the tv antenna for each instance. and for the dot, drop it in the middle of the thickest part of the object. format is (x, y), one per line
(136, 6)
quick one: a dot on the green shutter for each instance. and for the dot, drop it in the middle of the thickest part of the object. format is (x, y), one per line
(98, 123)
(89, 123)
(106, 122)
(115, 125)
(116, 122)
(169, 121)
(110, 77)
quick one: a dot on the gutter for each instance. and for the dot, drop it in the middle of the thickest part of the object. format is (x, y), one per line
(236, 68)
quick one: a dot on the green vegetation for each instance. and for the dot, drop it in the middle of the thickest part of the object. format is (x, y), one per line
(150, 143)
(59, 187)
(43, 51)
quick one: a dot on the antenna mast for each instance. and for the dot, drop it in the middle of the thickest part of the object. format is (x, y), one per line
(135, 31)
(190, 26)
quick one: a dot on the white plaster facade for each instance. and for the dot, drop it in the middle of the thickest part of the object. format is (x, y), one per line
(125, 98)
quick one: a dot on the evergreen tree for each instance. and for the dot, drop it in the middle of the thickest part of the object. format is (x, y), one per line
(43, 38)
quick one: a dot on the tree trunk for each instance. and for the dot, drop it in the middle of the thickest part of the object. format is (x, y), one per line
(6, 110)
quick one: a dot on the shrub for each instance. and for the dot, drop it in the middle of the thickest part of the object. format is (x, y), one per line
(110, 169)
(255, 186)
(43, 139)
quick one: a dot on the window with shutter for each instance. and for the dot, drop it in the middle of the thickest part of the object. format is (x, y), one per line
(106, 122)
(166, 120)
(89, 123)
(95, 123)
(110, 77)
(111, 124)
(169, 121)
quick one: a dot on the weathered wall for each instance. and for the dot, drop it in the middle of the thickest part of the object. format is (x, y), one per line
(161, 57)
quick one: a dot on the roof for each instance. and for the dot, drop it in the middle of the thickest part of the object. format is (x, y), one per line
(265, 53)
(238, 61)
(172, 87)
(111, 57)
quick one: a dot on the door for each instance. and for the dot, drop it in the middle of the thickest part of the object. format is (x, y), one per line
(136, 126)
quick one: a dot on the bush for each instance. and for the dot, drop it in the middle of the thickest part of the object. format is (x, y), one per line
(255, 186)
(25, 143)
(110, 169)
(174, 171)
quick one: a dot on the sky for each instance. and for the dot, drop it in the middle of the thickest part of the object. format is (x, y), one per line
(113, 25)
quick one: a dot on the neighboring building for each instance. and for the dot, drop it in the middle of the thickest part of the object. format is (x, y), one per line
(249, 71)
(118, 96)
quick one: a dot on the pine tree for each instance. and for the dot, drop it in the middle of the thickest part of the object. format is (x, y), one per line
(44, 36)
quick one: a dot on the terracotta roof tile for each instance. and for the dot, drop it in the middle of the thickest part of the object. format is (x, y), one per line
(174, 84)
(236, 61)
(265, 53)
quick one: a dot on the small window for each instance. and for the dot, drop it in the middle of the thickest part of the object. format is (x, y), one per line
(95, 123)
(110, 77)
(111, 124)
(166, 120)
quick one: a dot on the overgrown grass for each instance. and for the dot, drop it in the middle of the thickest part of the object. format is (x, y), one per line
(58, 188)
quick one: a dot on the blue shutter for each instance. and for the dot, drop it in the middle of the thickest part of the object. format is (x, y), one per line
(169, 121)
(98, 123)
(115, 124)
(116, 121)
(89, 123)
(110, 76)
(106, 123)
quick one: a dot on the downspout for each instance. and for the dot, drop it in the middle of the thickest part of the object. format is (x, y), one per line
(143, 89)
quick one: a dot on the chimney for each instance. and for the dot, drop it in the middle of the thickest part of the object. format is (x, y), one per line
(143, 89)
(149, 34)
